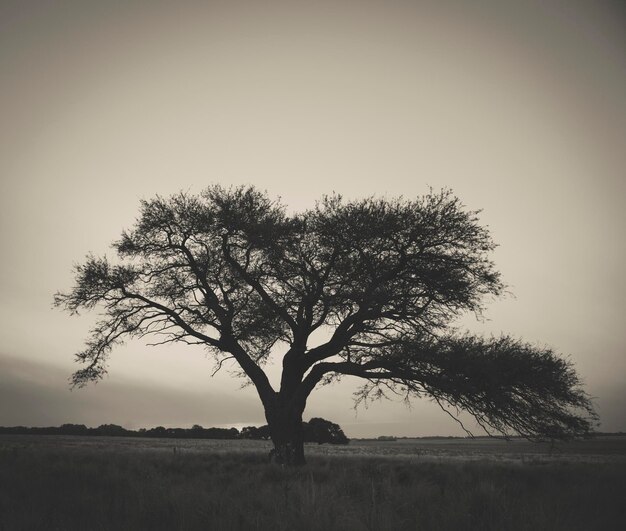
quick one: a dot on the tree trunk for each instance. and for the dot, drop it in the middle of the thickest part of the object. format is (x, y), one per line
(285, 425)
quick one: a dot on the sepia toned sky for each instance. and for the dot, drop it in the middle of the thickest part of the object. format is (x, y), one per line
(517, 106)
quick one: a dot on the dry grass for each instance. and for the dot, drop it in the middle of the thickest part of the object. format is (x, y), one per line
(43, 487)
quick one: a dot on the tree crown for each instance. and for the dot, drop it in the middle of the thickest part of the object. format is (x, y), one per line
(232, 270)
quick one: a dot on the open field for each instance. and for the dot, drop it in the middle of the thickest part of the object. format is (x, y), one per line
(598, 450)
(83, 483)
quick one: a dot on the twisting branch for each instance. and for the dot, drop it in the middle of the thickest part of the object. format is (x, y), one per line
(256, 285)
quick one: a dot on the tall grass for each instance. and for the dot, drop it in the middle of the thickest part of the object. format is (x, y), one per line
(84, 489)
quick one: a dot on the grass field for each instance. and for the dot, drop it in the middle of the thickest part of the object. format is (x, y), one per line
(66, 483)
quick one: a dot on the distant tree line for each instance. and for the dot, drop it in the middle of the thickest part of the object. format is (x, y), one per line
(316, 430)
(113, 430)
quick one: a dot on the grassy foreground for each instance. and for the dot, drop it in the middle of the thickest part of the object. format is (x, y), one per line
(84, 489)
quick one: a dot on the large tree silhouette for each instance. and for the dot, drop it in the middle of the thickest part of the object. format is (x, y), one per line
(380, 280)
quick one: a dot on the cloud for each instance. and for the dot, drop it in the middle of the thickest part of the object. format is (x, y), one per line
(38, 394)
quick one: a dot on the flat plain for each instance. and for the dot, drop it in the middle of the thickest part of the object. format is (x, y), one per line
(107, 483)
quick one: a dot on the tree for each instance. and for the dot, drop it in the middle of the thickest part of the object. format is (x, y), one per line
(252, 432)
(381, 280)
(323, 431)
(111, 430)
(317, 430)
(74, 429)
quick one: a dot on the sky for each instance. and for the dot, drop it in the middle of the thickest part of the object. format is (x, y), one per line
(517, 106)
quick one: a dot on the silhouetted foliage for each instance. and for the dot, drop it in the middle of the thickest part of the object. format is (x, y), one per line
(113, 430)
(229, 269)
(317, 430)
(74, 429)
(254, 432)
(323, 431)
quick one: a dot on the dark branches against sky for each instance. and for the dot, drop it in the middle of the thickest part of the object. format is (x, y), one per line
(381, 279)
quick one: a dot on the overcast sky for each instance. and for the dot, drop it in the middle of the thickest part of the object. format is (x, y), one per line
(517, 106)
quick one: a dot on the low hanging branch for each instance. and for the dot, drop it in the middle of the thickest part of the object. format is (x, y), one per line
(508, 386)
(229, 269)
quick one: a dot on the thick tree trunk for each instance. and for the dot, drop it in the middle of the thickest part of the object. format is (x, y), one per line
(285, 425)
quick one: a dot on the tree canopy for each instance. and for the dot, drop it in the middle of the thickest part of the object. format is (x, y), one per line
(383, 280)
